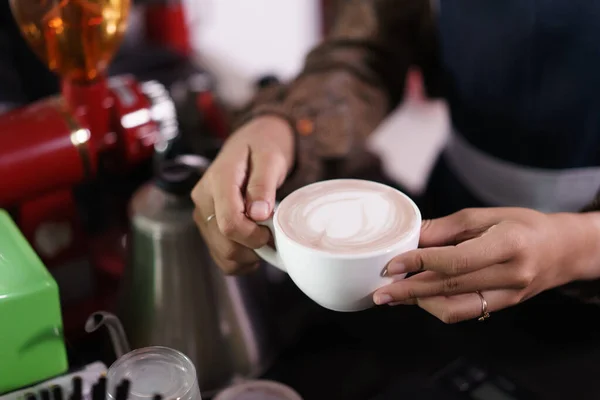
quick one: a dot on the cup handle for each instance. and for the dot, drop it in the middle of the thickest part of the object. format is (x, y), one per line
(268, 253)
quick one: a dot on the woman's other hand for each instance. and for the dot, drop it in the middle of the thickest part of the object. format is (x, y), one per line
(507, 254)
(239, 189)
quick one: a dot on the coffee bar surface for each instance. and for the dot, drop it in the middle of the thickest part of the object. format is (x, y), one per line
(549, 345)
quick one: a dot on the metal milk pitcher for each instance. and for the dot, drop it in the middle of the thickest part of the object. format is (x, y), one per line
(173, 294)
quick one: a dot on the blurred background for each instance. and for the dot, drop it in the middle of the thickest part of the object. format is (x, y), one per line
(110, 112)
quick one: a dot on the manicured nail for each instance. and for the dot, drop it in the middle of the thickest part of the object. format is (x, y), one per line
(396, 268)
(259, 210)
(382, 298)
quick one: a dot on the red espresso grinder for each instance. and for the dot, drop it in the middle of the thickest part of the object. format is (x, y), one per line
(62, 157)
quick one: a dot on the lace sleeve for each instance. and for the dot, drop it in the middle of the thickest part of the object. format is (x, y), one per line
(350, 83)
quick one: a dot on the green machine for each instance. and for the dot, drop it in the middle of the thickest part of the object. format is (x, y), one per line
(32, 348)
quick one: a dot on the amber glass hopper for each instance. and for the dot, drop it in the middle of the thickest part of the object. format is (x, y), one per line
(75, 38)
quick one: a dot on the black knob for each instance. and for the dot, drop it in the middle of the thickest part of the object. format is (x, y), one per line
(179, 176)
(266, 81)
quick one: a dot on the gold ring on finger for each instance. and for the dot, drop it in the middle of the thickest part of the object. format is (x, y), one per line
(484, 307)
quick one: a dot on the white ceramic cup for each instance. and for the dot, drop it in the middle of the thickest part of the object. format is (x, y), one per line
(339, 282)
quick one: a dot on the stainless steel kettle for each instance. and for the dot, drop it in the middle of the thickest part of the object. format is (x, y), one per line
(173, 295)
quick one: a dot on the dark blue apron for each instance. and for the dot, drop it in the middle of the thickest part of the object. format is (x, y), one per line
(522, 79)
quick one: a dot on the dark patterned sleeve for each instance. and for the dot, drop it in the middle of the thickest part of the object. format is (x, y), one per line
(349, 84)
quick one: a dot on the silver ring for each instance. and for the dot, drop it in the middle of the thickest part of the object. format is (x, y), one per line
(209, 218)
(484, 308)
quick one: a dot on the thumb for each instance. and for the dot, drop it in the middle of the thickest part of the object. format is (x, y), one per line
(458, 227)
(267, 172)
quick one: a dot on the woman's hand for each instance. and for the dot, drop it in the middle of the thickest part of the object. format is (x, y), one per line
(507, 254)
(239, 189)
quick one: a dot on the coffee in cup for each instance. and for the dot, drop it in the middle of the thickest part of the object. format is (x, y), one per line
(334, 238)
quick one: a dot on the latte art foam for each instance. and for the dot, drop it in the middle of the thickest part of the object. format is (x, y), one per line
(346, 216)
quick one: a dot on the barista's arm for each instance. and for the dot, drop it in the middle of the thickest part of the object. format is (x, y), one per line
(350, 83)
(586, 291)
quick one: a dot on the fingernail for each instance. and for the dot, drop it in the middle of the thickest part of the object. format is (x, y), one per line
(396, 303)
(382, 298)
(259, 210)
(396, 268)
